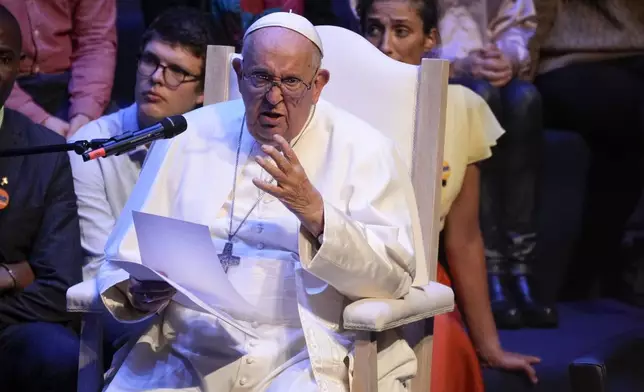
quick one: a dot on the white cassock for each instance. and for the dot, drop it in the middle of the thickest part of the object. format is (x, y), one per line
(300, 287)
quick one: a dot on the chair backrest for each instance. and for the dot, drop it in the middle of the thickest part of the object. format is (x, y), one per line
(405, 102)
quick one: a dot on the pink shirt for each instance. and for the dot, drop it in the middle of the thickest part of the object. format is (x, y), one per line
(67, 35)
(510, 24)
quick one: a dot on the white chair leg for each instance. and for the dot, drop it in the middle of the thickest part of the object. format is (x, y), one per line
(420, 336)
(365, 372)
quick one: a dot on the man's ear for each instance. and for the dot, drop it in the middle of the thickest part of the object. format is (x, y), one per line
(321, 79)
(237, 66)
(200, 99)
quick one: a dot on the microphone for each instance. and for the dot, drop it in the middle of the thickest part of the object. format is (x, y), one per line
(168, 128)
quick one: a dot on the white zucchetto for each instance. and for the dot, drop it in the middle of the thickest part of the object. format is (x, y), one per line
(291, 21)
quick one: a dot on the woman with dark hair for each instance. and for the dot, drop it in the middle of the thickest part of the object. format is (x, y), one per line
(405, 30)
(495, 70)
(591, 78)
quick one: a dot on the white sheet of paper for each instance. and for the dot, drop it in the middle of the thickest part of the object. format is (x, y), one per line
(183, 296)
(182, 254)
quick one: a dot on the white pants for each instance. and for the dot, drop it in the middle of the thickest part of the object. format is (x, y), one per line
(197, 355)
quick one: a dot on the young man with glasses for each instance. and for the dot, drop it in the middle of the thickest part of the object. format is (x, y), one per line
(170, 81)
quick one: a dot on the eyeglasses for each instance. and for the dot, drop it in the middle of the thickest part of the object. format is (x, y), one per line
(291, 86)
(173, 76)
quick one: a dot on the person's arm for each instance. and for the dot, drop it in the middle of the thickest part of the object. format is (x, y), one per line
(367, 249)
(460, 36)
(22, 102)
(93, 58)
(152, 194)
(512, 28)
(15, 276)
(466, 260)
(55, 257)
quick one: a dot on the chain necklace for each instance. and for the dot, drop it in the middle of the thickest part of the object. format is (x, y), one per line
(226, 257)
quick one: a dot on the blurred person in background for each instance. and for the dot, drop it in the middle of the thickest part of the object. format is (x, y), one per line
(487, 45)
(169, 81)
(591, 78)
(405, 30)
(40, 253)
(69, 57)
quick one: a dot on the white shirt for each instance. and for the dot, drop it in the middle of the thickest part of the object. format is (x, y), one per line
(103, 185)
(300, 285)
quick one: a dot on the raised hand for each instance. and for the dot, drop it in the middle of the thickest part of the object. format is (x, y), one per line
(292, 186)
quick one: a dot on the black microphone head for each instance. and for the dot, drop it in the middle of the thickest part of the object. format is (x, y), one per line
(173, 125)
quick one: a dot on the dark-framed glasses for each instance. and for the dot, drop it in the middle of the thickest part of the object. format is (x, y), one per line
(291, 86)
(173, 75)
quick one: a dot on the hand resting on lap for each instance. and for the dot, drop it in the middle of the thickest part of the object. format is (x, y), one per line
(149, 295)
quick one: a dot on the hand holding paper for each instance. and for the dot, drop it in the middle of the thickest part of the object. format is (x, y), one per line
(182, 255)
(149, 295)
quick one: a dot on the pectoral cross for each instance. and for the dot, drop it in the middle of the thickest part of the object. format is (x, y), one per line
(226, 258)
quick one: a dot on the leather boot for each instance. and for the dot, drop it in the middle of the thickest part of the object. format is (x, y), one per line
(506, 314)
(522, 285)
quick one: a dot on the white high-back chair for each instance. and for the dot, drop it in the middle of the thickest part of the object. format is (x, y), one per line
(407, 103)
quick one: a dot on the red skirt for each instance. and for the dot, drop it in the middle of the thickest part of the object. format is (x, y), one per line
(455, 365)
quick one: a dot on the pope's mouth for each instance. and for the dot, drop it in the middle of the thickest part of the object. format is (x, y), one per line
(270, 119)
(272, 115)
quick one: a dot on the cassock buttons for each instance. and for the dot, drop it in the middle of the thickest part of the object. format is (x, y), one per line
(259, 228)
(250, 360)
(254, 324)
(243, 381)
(260, 246)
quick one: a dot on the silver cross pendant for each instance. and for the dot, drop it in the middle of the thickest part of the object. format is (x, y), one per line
(226, 258)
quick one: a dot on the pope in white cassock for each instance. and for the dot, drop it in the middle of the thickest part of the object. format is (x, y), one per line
(309, 207)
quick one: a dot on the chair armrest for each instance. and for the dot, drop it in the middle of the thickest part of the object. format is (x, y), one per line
(84, 298)
(588, 373)
(420, 303)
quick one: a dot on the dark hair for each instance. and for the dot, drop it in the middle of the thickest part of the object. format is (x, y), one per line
(189, 28)
(427, 10)
(8, 19)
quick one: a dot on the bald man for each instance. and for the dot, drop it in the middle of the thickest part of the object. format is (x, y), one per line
(305, 215)
(40, 254)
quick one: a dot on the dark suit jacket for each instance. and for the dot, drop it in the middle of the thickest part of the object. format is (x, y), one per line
(40, 224)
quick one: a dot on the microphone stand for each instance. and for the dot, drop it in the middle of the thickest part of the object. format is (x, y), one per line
(80, 147)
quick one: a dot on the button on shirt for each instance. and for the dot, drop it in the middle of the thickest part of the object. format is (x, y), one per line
(266, 274)
(64, 35)
(265, 278)
(103, 185)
